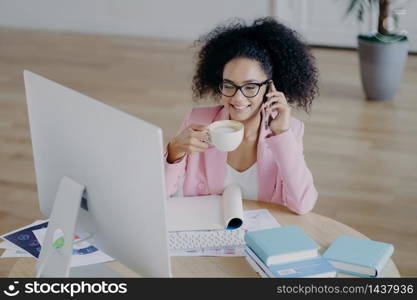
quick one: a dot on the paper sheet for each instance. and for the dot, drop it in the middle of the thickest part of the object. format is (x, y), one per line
(24, 239)
(15, 253)
(258, 219)
(83, 253)
(27, 241)
(213, 212)
(8, 246)
(11, 250)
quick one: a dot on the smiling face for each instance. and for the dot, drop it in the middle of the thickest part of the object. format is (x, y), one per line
(240, 71)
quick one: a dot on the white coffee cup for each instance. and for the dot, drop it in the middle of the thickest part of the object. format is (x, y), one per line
(226, 135)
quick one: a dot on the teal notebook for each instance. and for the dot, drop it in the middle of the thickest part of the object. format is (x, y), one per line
(358, 256)
(281, 244)
(313, 267)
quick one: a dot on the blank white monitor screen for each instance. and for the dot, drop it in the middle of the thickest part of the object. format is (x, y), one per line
(118, 157)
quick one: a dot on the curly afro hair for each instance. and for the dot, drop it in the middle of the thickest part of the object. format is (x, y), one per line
(278, 49)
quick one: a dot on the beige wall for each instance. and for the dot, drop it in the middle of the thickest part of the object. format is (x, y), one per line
(179, 19)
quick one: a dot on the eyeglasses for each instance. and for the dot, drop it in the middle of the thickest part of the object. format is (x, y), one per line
(249, 90)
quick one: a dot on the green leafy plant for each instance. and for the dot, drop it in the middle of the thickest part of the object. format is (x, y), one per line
(388, 17)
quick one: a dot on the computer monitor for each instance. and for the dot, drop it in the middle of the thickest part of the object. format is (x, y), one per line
(117, 158)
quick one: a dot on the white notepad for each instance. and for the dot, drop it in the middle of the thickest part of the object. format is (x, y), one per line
(206, 212)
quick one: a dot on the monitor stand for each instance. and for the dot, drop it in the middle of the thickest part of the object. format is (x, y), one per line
(55, 257)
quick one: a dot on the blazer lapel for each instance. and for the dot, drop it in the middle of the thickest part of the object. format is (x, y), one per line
(266, 170)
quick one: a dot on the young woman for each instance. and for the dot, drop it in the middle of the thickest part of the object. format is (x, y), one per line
(258, 72)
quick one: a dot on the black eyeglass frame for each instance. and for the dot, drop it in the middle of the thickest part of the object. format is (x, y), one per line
(239, 87)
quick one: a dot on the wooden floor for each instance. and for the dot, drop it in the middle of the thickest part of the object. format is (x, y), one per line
(363, 155)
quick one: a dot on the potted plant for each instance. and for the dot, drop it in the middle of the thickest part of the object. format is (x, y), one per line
(383, 53)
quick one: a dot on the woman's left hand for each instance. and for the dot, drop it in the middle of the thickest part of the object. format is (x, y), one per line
(277, 101)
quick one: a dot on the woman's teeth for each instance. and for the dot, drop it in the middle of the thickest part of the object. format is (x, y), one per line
(240, 107)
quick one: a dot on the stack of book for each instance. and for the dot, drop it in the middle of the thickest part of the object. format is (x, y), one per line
(286, 252)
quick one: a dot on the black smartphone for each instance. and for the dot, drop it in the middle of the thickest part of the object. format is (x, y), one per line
(264, 100)
(267, 90)
(265, 97)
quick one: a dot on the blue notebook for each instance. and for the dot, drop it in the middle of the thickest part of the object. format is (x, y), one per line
(281, 244)
(315, 267)
(358, 256)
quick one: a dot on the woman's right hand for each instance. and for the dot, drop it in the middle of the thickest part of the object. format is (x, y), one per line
(192, 139)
